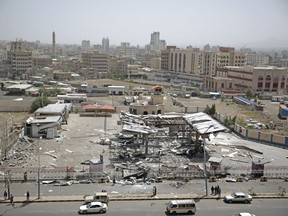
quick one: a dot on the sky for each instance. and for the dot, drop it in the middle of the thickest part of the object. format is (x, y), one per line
(180, 22)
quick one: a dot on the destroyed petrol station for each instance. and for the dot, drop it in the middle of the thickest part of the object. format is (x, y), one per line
(147, 143)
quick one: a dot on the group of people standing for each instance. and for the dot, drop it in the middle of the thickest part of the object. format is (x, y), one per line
(216, 190)
(11, 198)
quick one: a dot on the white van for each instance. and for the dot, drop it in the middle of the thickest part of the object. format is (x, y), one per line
(181, 206)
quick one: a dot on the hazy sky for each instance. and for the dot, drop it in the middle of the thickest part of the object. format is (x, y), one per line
(180, 22)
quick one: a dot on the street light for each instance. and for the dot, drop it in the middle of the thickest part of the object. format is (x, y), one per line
(205, 167)
(39, 167)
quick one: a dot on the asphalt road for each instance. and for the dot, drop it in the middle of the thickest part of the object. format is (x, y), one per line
(265, 207)
(196, 186)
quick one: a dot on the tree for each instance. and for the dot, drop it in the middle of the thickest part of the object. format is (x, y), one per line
(210, 110)
(249, 93)
(37, 103)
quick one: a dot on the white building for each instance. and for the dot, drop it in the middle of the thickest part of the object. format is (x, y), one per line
(85, 45)
(105, 45)
(255, 59)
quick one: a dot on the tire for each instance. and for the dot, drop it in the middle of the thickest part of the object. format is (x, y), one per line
(174, 212)
(247, 201)
(101, 211)
(190, 212)
(230, 201)
(84, 212)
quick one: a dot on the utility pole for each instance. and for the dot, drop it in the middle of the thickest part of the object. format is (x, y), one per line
(205, 166)
(7, 182)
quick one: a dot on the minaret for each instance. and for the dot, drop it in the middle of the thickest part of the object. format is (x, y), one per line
(53, 43)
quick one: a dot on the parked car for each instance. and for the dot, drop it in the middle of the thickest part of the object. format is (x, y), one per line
(93, 207)
(238, 197)
(244, 214)
(230, 179)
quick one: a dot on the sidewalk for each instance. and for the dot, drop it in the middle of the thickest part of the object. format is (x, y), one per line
(78, 198)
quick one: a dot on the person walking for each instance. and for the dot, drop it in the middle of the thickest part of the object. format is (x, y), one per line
(212, 190)
(12, 200)
(216, 189)
(27, 195)
(219, 192)
(5, 195)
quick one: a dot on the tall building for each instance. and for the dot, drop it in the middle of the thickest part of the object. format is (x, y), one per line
(105, 45)
(227, 56)
(53, 44)
(85, 45)
(155, 41)
(126, 51)
(96, 60)
(20, 59)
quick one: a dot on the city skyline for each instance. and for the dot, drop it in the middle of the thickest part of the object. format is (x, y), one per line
(181, 23)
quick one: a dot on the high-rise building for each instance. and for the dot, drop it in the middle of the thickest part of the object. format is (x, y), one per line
(85, 45)
(53, 44)
(20, 59)
(155, 41)
(105, 45)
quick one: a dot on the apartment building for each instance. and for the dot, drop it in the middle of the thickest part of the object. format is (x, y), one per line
(126, 51)
(165, 57)
(20, 59)
(85, 45)
(259, 79)
(42, 61)
(255, 59)
(96, 60)
(227, 56)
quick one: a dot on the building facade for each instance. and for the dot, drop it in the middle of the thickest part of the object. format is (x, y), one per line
(96, 60)
(255, 59)
(105, 45)
(259, 79)
(20, 59)
(85, 45)
(126, 51)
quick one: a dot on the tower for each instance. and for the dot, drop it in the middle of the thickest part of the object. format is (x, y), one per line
(105, 45)
(53, 43)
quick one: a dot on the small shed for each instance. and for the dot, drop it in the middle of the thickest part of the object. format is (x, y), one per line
(215, 163)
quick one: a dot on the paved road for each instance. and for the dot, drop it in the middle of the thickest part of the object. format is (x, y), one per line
(196, 186)
(152, 208)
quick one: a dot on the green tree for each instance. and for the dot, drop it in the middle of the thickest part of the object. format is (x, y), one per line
(37, 103)
(210, 110)
(249, 93)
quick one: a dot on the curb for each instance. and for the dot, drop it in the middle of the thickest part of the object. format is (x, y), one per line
(59, 199)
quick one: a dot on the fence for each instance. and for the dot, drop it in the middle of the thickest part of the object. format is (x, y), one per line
(259, 136)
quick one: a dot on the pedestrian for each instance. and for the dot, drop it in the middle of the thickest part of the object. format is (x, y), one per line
(5, 195)
(216, 189)
(12, 200)
(27, 195)
(212, 190)
(25, 176)
(219, 192)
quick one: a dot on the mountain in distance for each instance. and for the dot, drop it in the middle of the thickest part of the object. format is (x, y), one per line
(270, 43)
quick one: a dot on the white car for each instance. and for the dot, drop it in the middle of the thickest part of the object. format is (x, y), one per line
(244, 214)
(93, 207)
(238, 197)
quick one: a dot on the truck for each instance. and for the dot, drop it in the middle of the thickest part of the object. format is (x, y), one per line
(283, 112)
(97, 197)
